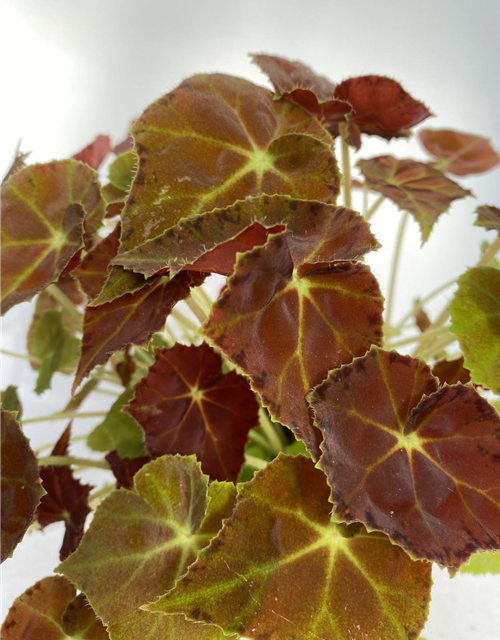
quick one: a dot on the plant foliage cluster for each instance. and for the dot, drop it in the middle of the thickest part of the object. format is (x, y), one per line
(281, 472)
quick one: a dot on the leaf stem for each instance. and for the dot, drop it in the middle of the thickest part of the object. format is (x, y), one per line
(366, 192)
(66, 304)
(21, 356)
(185, 323)
(255, 462)
(101, 493)
(490, 253)
(201, 296)
(346, 165)
(394, 267)
(64, 461)
(434, 346)
(438, 331)
(374, 208)
(65, 415)
(196, 309)
(258, 438)
(425, 299)
(270, 430)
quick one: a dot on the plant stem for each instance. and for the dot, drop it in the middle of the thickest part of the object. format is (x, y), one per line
(258, 438)
(366, 192)
(374, 208)
(438, 331)
(66, 304)
(79, 397)
(254, 462)
(346, 165)
(51, 445)
(201, 296)
(394, 267)
(21, 356)
(270, 431)
(196, 309)
(61, 461)
(65, 415)
(101, 493)
(434, 347)
(490, 253)
(185, 323)
(425, 299)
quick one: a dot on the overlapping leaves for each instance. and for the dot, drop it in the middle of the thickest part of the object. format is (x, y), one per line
(44, 210)
(216, 139)
(418, 463)
(280, 569)
(141, 541)
(21, 486)
(293, 310)
(186, 405)
(413, 186)
(475, 320)
(51, 610)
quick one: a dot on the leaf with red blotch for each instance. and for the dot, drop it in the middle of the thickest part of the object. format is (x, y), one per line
(95, 153)
(459, 153)
(413, 186)
(211, 240)
(404, 457)
(124, 469)
(281, 569)
(51, 610)
(286, 322)
(21, 485)
(66, 499)
(488, 217)
(451, 371)
(186, 405)
(381, 107)
(131, 319)
(231, 141)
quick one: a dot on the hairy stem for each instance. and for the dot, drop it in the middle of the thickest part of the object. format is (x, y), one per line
(374, 208)
(419, 337)
(64, 461)
(394, 267)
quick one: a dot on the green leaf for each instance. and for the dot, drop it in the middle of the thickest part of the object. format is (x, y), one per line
(481, 563)
(119, 431)
(54, 346)
(141, 541)
(10, 401)
(122, 170)
(475, 321)
(281, 569)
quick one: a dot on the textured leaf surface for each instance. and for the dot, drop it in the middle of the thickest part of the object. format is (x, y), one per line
(459, 153)
(401, 456)
(475, 320)
(381, 106)
(141, 541)
(66, 499)
(186, 405)
(216, 139)
(281, 570)
(488, 217)
(118, 431)
(131, 319)
(320, 232)
(482, 563)
(21, 490)
(49, 610)
(43, 210)
(286, 323)
(413, 186)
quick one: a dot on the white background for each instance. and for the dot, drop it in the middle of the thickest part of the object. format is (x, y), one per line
(72, 69)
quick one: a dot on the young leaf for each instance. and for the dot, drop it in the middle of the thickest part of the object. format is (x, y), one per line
(418, 463)
(131, 319)
(50, 610)
(21, 485)
(459, 153)
(482, 563)
(381, 106)
(286, 323)
(43, 210)
(413, 186)
(95, 153)
(232, 141)
(280, 569)
(122, 170)
(475, 320)
(66, 499)
(210, 241)
(11, 402)
(141, 541)
(488, 217)
(118, 431)
(186, 405)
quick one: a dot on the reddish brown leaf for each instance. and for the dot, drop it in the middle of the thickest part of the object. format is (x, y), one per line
(186, 405)
(381, 106)
(413, 186)
(95, 152)
(21, 488)
(286, 323)
(124, 469)
(459, 153)
(231, 141)
(79, 621)
(126, 368)
(131, 319)
(403, 457)
(66, 499)
(451, 371)
(318, 233)
(488, 217)
(93, 269)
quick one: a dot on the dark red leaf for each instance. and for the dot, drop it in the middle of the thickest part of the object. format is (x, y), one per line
(95, 152)
(124, 469)
(186, 405)
(451, 371)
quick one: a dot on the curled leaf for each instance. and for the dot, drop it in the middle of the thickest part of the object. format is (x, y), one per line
(281, 569)
(404, 457)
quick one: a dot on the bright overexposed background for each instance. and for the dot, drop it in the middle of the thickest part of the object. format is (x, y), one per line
(75, 68)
